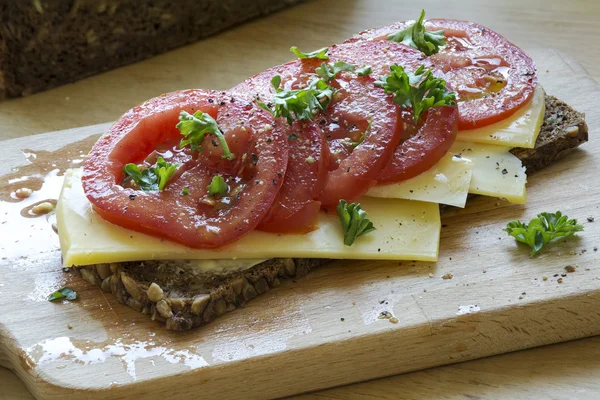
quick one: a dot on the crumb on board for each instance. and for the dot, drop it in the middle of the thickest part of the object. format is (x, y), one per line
(570, 268)
(560, 280)
(447, 276)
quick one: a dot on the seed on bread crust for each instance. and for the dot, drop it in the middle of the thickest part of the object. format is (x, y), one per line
(89, 276)
(131, 287)
(164, 309)
(103, 270)
(199, 304)
(154, 293)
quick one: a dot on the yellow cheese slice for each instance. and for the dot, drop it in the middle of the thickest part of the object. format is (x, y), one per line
(496, 173)
(520, 130)
(406, 230)
(447, 182)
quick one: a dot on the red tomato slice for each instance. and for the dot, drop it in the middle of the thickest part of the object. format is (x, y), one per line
(421, 151)
(196, 220)
(295, 210)
(357, 104)
(492, 77)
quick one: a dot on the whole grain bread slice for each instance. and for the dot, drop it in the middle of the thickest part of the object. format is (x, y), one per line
(174, 293)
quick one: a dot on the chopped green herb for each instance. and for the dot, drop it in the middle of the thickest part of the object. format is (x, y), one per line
(416, 36)
(419, 90)
(301, 104)
(362, 136)
(195, 127)
(185, 191)
(217, 186)
(64, 293)
(330, 70)
(364, 71)
(321, 54)
(354, 221)
(151, 178)
(542, 230)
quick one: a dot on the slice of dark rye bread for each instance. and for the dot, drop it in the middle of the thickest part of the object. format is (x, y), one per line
(172, 292)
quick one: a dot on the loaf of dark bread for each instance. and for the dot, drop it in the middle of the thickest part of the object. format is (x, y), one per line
(46, 43)
(172, 291)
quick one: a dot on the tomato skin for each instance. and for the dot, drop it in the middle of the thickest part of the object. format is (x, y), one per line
(493, 77)
(361, 105)
(260, 161)
(295, 210)
(422, 151)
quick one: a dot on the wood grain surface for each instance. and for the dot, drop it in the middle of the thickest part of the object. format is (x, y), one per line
(521, 21)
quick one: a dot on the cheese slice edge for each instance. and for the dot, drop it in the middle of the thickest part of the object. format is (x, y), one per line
(447, 182)
(519, 130)
(496, 173)
(405, 230)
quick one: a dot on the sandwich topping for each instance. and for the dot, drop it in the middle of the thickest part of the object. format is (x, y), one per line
(205, 168)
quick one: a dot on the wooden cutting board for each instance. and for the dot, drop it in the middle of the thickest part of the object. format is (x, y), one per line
(322, 330)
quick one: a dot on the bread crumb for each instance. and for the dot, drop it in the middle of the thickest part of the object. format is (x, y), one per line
(544, 278)
(394, 320)
(559, 280)
(448, 276)
(570, 268)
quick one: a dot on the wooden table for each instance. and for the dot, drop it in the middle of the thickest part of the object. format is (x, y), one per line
(569, 370)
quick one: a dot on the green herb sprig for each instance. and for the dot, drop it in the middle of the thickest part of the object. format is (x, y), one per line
(542, 230)
(419, 90)
(65, 293)
(329, 71)
(354, 221)
(300, 104)
(416, 36)
(152, 178)
(320, 54)
(217, 186)
(194, 129)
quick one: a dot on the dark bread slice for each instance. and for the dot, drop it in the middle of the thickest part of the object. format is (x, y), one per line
(563, 130)
(171, 292)
(44, 44)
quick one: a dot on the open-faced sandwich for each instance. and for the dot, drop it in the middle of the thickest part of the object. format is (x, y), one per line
(195, 202)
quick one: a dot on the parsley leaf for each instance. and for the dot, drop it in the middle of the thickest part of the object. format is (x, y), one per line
(195, 127)
(362, 136)
(302, 104)
(151, 178)
(419, 90)
(185, 191)
(354, 221)
(217, 186)
(321, 54)
(542, 230)
(330, 70)
(64, 293)
(416, 36)
(364, 71)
